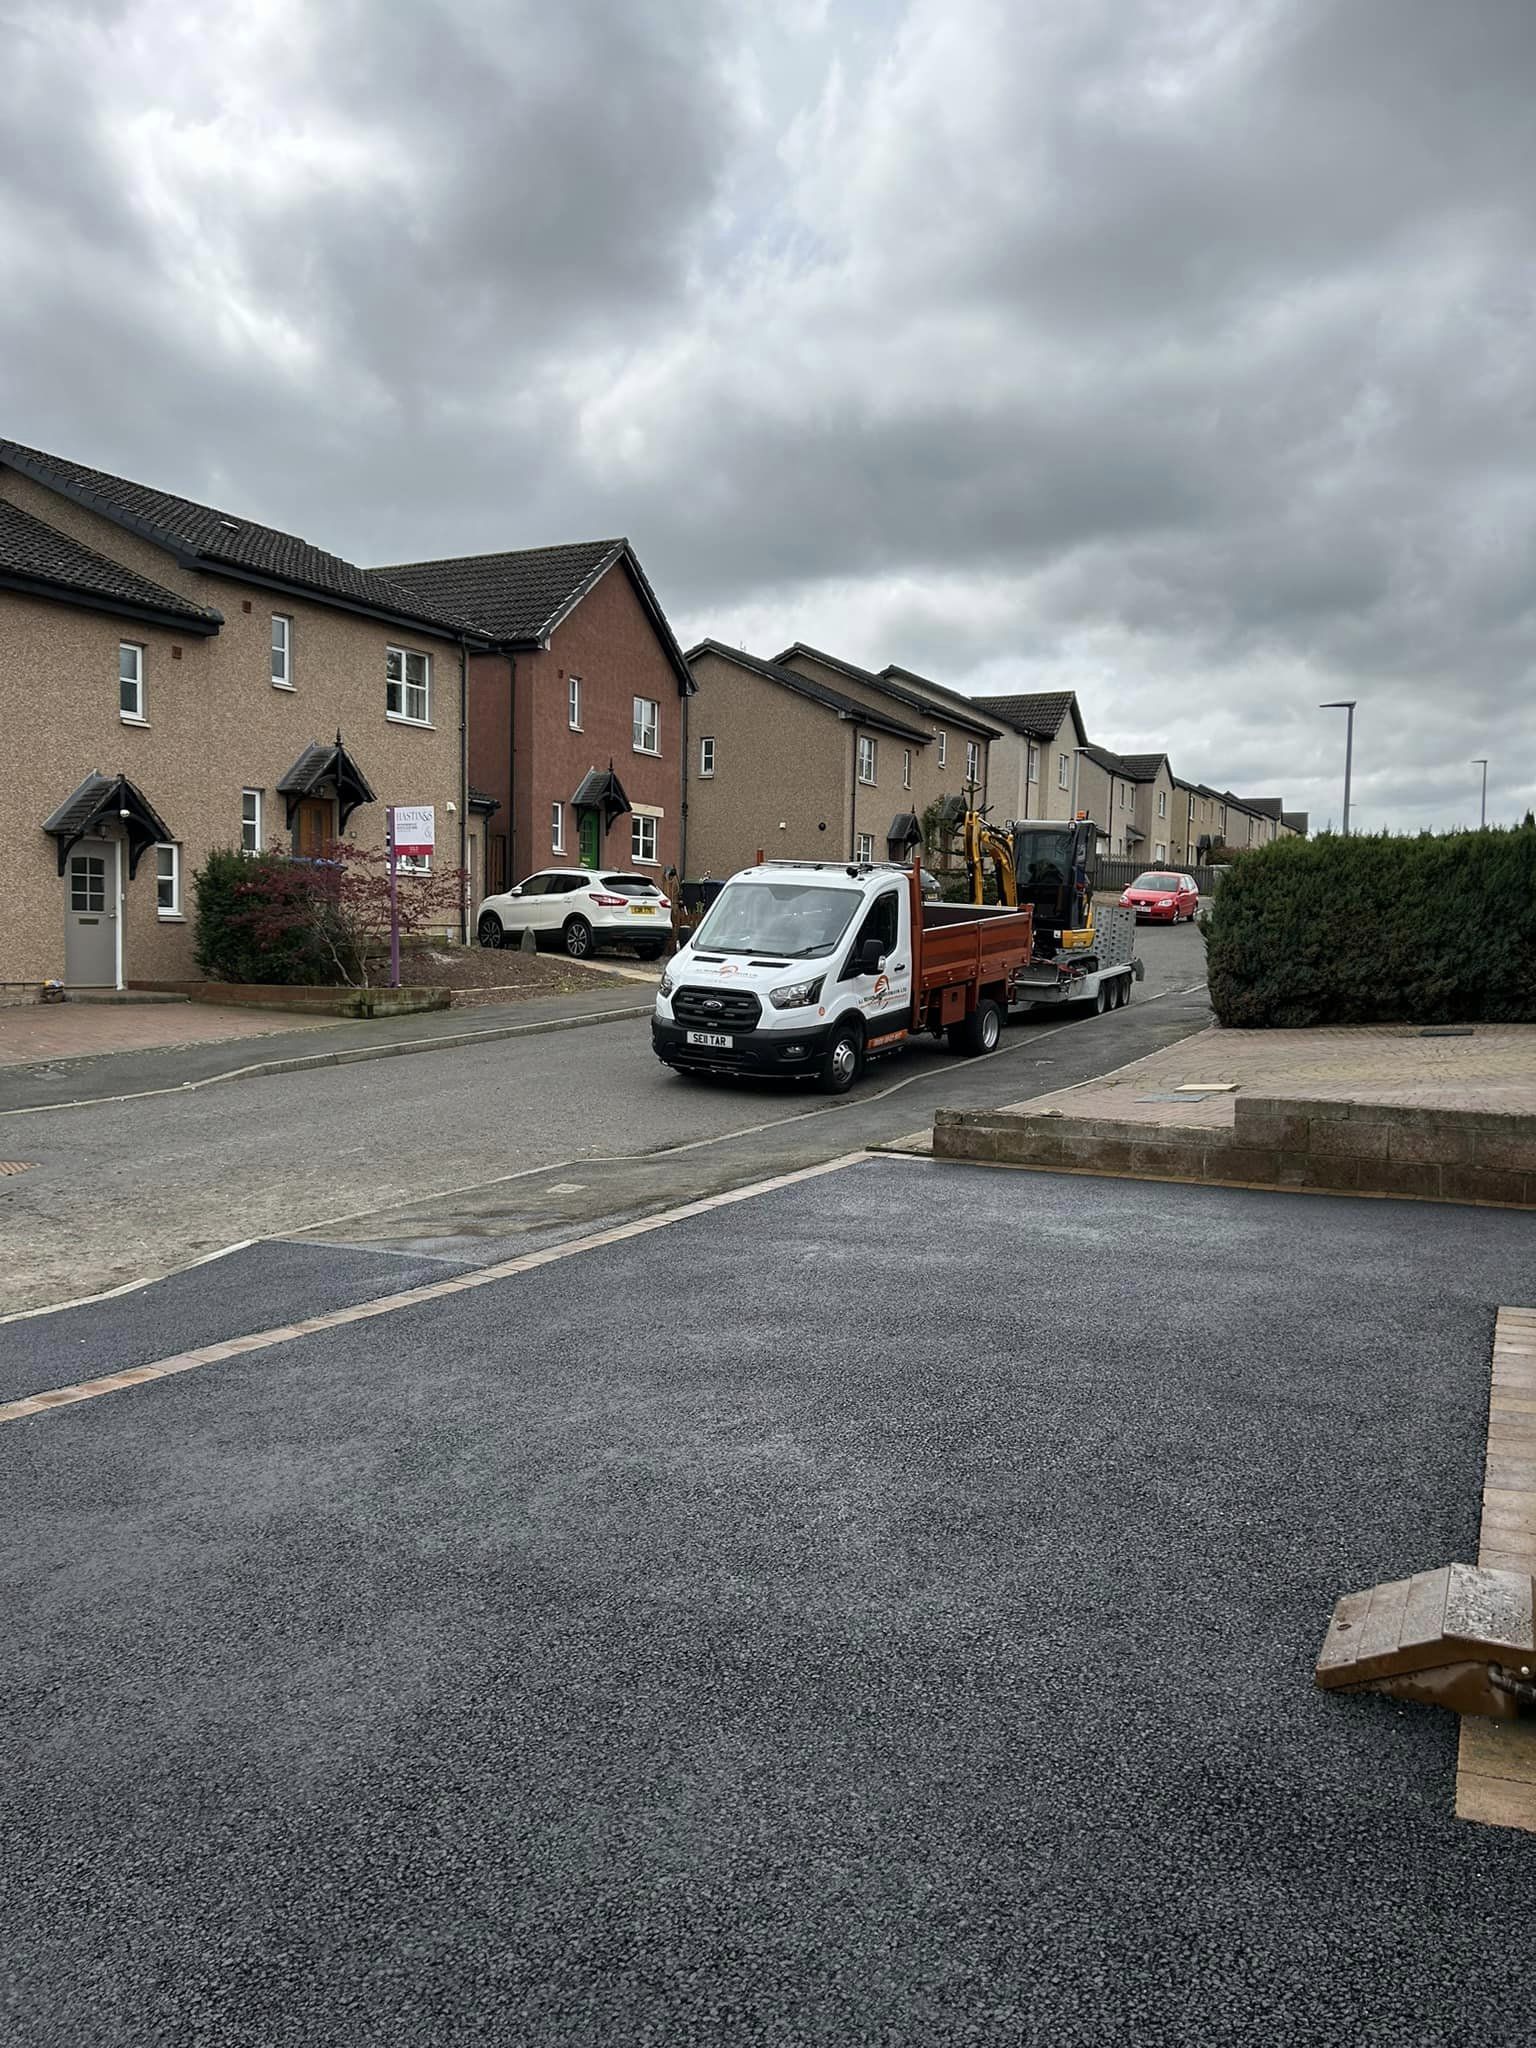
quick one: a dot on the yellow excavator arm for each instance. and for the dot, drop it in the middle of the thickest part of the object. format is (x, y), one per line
(983, 843)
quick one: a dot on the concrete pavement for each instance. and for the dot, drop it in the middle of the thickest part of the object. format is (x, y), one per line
(904, 1637)
(293, 1047)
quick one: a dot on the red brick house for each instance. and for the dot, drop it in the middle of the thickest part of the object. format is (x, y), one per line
(578, 715)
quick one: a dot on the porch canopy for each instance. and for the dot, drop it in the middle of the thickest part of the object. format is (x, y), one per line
(319, 765)
(103, 800)
(602, 791)
(903, 835)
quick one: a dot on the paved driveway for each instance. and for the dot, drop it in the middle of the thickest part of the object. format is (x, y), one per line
(878, 1612)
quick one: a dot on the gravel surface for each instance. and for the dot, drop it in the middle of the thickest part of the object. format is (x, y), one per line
(881, 1612)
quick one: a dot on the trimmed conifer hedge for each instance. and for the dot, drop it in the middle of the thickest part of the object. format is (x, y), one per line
(1377, 930)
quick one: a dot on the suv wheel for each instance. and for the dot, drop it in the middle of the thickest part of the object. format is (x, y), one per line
(578, 937)
(492, 932)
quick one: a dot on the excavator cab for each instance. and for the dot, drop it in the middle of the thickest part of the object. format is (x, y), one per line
(1052, 860)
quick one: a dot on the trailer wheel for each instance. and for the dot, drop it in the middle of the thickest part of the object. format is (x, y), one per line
(1103, 999)
(979, 1032)
(844, 1057)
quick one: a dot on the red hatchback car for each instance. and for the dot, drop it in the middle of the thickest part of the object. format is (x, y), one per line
(1162, 898)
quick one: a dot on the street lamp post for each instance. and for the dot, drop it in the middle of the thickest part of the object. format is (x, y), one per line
(1480, 761)
(1347, 706)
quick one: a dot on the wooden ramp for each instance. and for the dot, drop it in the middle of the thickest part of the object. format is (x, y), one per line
(1462, 1637)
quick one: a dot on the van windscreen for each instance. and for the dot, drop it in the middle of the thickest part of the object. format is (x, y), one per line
(790, 920)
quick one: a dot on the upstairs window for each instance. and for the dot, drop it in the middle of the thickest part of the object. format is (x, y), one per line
(906, 767)
(647, 726)
(1034, 762)
(408, 689)
(1162, 803)
(943, 748)
(130, 681)
(573, 702)
(972, 761)
(866, 758)
(1063, 771)
(706, 757)
(282, 652)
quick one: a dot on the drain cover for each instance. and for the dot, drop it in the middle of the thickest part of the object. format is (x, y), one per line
(17, 1165)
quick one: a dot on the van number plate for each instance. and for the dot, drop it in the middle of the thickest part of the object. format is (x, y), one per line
(717, 1039)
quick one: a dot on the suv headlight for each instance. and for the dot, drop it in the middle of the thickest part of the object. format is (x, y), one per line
(667, 983)
(799, 995)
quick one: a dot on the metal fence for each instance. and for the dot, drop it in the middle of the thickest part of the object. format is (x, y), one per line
(1114, 875)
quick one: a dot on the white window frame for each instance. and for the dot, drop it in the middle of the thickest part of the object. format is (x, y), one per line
(643, 833)
(642, 725)
(1162, 853)
(864, 846)
(973, 761)
(254, 822)
(1032, 761)
(169, 911)
(136, 716)
(413, 863)
(402, 682)
(557, 828)
(1063, 771)
(943, 748)
(285, 680)
(707, 755)
(1162, 803)
(573, 702)
(906, 767)
(867, 758)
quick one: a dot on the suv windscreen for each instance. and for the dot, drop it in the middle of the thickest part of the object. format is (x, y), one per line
(789, 920)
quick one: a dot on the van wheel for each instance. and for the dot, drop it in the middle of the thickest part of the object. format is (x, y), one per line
(844, 1057)
(979, 1032)
(492, 933)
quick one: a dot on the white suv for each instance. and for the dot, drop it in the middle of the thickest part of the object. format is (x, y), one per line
(577, 908)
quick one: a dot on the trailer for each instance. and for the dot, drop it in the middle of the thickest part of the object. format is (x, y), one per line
(1098, 976)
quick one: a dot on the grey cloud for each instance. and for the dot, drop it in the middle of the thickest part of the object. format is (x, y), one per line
(1179, 354)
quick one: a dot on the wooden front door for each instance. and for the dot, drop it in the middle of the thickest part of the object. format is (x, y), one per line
(312, 827)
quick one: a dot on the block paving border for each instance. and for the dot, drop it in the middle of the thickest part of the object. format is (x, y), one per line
(1496, 1766)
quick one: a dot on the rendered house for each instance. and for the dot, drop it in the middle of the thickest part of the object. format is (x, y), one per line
(177, 678)
(578, 707)
(786, 764)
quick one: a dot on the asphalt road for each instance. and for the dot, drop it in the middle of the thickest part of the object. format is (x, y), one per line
(878, 1612)
(462, 1153)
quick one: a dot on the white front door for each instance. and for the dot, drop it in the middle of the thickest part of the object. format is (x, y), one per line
(90, 915)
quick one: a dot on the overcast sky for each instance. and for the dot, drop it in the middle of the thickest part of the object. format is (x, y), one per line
(1178, 352)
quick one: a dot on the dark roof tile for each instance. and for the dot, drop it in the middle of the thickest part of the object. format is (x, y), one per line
(1039, 714)
(810, 686)
(221, 540)
(963, 714)
(518, 595)
(35, 553)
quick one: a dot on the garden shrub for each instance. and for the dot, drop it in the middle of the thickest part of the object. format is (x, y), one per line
(1377, 930)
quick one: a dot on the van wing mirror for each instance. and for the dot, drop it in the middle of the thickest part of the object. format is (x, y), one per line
(871, 957)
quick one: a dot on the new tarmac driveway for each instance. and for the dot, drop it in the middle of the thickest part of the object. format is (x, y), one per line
(881, 1611)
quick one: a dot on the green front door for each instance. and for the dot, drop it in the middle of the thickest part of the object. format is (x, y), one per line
(591, 841)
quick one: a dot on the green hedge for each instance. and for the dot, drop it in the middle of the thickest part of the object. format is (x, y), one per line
(1377, 930)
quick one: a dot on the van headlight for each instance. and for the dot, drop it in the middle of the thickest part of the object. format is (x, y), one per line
(799, 995)
(667, 984)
